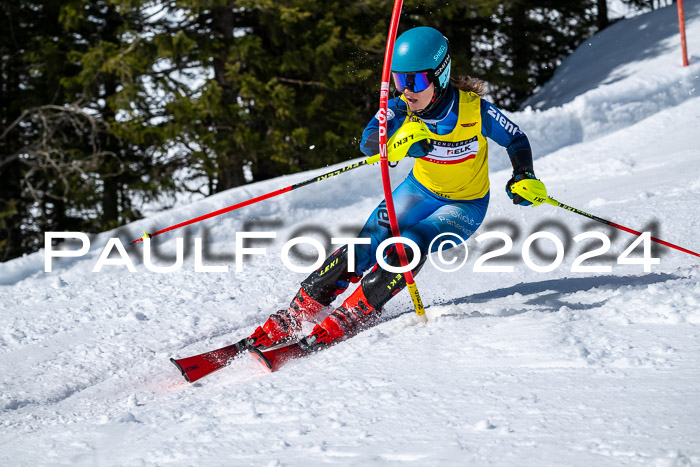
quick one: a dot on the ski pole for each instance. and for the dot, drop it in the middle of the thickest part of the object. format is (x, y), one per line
(535, 192)
(400, 142)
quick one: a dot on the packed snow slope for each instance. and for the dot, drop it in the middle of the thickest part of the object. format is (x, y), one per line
(513, 368)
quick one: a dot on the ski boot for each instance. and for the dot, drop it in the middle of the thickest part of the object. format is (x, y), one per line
(316, 293)
(346, 320)
(361, 309)
(282, 325)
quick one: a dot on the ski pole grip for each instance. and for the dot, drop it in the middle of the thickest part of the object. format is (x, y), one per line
(531, 189)
(401, 141)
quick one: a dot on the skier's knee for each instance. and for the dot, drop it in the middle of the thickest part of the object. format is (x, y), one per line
(392, 259)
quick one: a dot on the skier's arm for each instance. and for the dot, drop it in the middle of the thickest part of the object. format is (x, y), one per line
(503, 131)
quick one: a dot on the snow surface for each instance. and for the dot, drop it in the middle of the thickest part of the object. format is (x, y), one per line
(513, 368)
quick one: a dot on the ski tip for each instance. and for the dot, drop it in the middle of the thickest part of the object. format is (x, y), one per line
(184, 374)
(259, 356)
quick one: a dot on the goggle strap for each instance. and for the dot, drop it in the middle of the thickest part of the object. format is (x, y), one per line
(435, 74)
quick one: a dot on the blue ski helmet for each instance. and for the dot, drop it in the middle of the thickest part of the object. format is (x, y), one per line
(422, 57)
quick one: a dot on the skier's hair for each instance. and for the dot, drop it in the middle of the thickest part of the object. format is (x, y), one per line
(469, 84)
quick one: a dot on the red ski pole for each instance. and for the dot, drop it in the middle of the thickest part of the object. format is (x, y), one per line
(398, 147)
(255, 200)
(556, 203)
(535, 192)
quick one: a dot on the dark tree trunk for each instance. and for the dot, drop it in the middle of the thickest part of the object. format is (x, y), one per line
(602, 21)
(520, 51)
(230, 164)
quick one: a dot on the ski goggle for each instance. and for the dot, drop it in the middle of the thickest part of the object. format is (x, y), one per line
(415, 82)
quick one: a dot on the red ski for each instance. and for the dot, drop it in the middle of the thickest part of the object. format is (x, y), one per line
(272, 360)
(198, 366)
(193, 368)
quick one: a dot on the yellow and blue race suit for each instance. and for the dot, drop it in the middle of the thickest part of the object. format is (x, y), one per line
(448, 189)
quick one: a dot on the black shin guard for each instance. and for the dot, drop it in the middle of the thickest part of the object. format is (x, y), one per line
(322, 285)
(380, 285)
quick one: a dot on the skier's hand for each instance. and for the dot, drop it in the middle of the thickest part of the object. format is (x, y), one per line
(398, 147)
(420, 148)
(517, 199)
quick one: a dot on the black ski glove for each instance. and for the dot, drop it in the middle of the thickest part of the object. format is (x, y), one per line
(420, 148)
(517, 199)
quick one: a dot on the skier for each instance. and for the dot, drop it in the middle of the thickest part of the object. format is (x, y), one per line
(446, 192)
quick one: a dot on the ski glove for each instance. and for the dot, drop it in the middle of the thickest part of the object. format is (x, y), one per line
(517, 199)
(420, 148)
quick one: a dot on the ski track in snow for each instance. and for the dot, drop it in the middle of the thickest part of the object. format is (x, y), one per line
(520, 368)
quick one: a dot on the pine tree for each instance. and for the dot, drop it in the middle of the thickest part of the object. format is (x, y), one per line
(281, 78)
(68, 163)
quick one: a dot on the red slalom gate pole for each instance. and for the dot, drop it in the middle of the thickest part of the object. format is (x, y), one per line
(384, 162)
(681, 25)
